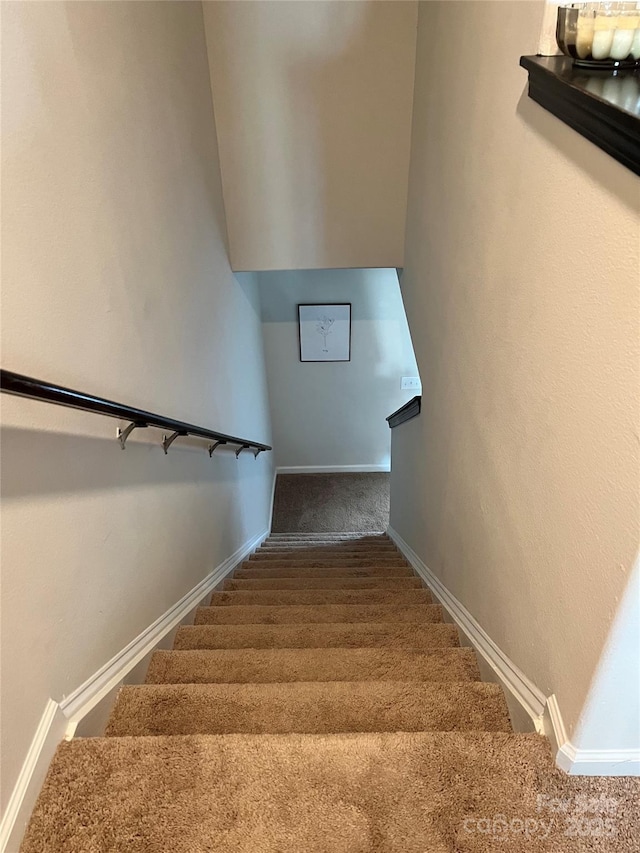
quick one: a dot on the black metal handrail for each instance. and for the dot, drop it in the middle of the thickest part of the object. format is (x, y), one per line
(36, 389)
(405, 413)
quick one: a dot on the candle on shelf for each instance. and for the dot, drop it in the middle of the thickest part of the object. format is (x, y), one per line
(622, 36)
(584, 32)
(603, 29)
(600, 35)
(635, 41)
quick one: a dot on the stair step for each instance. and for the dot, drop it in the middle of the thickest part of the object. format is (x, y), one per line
(345, 583)
(283, 665)
(390, 792)
(320, 560)
(384, 546)
(325, 635)
(368, 536)
(266, 554)
(315, 572)
(293, 558)
(330, 706)
(322, 596)
(339, 547)
(327, 541)
(315, 613)
(324, 564)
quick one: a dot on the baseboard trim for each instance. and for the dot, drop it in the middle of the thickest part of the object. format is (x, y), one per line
(333, 469)
(598, 762)
(553, 725)
(60, 719)
(523, 689)
(49, 732)
(543, 711)
(585, 762)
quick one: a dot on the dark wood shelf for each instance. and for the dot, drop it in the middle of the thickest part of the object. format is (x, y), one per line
(603, 106)
(405, 413)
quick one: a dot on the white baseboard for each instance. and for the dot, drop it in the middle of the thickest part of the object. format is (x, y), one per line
(60, 719)
(543, 711)
(50, 731)
(333, 469)
(586, 762)
(598, 762)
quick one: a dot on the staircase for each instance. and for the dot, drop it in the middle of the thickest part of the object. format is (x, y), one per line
(320, 703)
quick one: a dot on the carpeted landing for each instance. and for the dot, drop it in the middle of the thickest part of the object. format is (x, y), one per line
(319, 705)
(331, 502)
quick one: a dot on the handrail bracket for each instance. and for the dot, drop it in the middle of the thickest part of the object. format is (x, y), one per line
(123, 434)
(167, 441)
(212, 447)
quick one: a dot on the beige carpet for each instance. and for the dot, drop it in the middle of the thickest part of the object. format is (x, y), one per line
(322, 596)
(320, 705)
(315, 708)
(285, 571)
(364, 793)
(317, 635)
(272, 665)
(283, 614)
(331, 502)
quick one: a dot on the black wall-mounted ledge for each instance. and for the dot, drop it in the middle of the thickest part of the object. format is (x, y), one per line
(405, 413)
(602, 106)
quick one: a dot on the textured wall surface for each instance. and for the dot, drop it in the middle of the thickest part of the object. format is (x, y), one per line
(333, 413)
(518, 485)
(313, 111)
(115, 281)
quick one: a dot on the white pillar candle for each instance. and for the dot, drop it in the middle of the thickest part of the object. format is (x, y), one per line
(635, 44)
(584, 34)
(622, 38)
(602, 36)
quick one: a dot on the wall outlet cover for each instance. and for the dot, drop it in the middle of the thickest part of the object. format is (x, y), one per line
(411, 383)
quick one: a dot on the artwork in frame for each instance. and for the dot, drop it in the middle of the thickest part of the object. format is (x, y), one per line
(325, 332)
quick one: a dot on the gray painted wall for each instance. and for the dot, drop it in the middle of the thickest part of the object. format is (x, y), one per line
(333, 414)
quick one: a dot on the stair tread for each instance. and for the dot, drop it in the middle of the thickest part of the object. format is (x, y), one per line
(342, 706)
(324, 554)
(329, 534)
(340, 583)
(281, 614)
(345, 539)
(337, 545)
(325, 572)
(321, 560)
(343, 634)
(312, 793)
(334, 664)
(322, 596)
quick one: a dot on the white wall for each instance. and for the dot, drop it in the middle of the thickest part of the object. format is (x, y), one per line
(115, 281)
(333, 413)
(313, 110)
(518, 485)
(610, 719)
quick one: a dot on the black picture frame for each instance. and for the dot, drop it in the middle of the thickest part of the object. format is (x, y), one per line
(310, 325)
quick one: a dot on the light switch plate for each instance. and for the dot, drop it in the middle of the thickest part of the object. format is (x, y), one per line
(411, 383)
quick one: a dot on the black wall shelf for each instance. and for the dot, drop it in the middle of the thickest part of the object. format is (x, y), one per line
(601, 105)
(405, 413)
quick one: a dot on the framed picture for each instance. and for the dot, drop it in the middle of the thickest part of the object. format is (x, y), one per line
(325, 332)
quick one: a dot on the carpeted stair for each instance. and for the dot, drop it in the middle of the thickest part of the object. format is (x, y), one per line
(320, 704)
